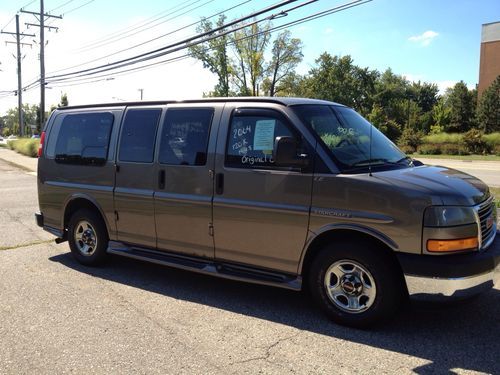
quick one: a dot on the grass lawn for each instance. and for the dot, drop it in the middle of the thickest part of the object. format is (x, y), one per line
(458, 157)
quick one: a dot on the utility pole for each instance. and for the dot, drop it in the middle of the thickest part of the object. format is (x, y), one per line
(142, 91)
(41, 19)
(19, 75)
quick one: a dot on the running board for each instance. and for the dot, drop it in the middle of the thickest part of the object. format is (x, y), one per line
(208, 267)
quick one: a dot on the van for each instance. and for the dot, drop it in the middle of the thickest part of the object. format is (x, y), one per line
(287, 192)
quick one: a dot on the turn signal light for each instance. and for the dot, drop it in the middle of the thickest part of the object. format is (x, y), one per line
(440, 246)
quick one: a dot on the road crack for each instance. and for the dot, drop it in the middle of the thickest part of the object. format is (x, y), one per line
(25, 245)
(269, 348)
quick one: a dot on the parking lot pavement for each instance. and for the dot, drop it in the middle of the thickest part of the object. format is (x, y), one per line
(57, 316)
(18, 203)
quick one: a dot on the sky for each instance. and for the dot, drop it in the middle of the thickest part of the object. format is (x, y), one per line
(434, 41)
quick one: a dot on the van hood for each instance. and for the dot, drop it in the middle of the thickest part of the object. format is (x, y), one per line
(450, 186)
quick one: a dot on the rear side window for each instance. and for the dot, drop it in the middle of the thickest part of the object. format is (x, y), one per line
(251, 140)
(82, 138)
(138, 136)
(184, 138)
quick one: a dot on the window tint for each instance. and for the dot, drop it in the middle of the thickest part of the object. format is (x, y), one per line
(138, 136)
(84, 138)
(184, 137)
(251, 141)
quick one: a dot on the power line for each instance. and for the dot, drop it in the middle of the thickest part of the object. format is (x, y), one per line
(78, 7)
(133, 27)
(130, 33)
(152, 40)
(271, 30)
(84, 80)
(61, 6)
(188, 41)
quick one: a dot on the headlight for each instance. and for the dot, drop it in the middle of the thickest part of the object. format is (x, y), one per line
(442, 216)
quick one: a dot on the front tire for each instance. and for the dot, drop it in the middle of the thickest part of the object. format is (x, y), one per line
(356, 285)
(88, 237)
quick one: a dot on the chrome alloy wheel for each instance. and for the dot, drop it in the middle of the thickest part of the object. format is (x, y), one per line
(350, 286)
(85, 238)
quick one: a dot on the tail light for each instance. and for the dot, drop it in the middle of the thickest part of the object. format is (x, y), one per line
(40, 146)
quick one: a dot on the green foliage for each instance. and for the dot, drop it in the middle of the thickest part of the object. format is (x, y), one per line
(492, 139)
(443, 138)
(488, 112)
(410, 138)
(214, 55)
(474, 142)
(453, 149)
(286, 55)
(429, 149)
(25, 146)
(337, 79)
(461, 101)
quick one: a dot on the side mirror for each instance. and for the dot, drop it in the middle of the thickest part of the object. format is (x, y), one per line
(417, 163)
(285, 153)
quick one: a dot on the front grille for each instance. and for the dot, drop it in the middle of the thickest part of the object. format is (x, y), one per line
(486, 211)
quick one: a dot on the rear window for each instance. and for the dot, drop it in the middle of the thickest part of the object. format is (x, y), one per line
(81, 138)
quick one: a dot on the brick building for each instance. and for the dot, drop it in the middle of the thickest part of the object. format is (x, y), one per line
(489, 66)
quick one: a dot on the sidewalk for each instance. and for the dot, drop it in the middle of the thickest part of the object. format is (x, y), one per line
(20, 161)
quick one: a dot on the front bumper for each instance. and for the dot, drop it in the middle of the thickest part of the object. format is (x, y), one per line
(431, 277)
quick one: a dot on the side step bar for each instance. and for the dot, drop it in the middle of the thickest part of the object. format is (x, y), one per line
(208, 267)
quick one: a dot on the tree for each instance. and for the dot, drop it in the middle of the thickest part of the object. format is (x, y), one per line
(461, 103)
(64, 101)
(286, 55)
(250, 44)
(440, 116)
(488, 111)
(214, 55)
(338, 79)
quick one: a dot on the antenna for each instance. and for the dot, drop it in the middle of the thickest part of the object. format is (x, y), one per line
(370, 156)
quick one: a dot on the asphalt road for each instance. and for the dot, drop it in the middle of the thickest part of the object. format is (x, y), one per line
(487, 171)
(57, 316)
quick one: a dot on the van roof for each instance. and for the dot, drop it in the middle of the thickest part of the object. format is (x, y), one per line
(249, 99)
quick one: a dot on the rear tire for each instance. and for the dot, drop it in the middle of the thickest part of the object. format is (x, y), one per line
(356, 284)
(88, 237)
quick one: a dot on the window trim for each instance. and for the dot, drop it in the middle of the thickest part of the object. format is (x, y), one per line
(162, 128)
(124, 118)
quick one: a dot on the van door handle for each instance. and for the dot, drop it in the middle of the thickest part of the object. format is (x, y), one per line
(219, 183)
(161, 179)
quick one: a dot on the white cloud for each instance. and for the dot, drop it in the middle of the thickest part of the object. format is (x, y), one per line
(424, 39)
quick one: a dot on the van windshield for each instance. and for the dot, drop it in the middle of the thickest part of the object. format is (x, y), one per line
(347, 135)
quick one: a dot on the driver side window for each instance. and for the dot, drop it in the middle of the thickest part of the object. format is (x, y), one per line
(251, 140)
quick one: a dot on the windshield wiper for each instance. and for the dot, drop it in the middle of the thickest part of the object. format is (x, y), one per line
(366, 162)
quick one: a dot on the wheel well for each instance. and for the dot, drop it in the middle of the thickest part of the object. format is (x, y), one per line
(342, 235)
(77, 204)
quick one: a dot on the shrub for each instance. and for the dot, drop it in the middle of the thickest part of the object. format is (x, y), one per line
(411, 138)
(492, 139)
(25, 146)
(443, 138)
(496, 151)
(408, 149)
(474, 142)
(453, 149)
(429, 149)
